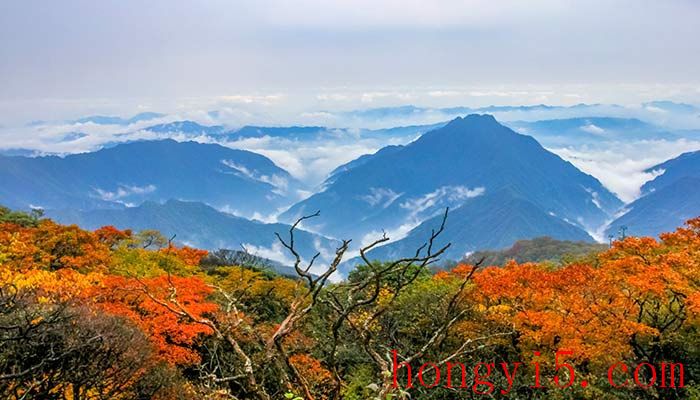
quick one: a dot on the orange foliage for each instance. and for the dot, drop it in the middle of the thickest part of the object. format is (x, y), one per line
(51, 287)
(173, 335)
(52, 246)
(111, 236)
(18, 249)
(637, 292)
(318, 378)
(189, 255)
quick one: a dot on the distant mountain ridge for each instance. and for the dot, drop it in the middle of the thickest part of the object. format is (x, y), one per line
(541, 249)
(112, 120)
(684, 166)
(591, 130)
(667, 201)
(150, 170)
(201, 226)
(493, 221)
(193, 130)
(501, 185)
(466, 158)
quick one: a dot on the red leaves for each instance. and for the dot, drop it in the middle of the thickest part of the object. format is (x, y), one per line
(29, 254)
(52, 246)
(317, 378)
(111, 236)
(598, 310)
(173, 334)
(188, 255)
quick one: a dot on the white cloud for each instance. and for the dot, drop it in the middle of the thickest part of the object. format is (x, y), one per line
(444, 194)
(423, 207)
(333, 96)
(275, 180)
(620, 166)
(445, 93)
(249, 99)
(590, 128)
(381, 196)
(311, 161)
(419, 209)
(595, 197)
(124, 191)
(655, 109)
(371, 97)
(268, 219)
(494, 93)
(275, 252)
(325, 252)
(304, 194)
(279, 253)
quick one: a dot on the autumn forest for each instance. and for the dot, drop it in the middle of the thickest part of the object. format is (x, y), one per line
(116, 314)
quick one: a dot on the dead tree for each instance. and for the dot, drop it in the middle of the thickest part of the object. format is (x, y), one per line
(349, 297)
(344, 299)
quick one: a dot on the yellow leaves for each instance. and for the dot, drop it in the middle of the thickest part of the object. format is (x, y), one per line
(498, 309)
(385, 295)
(247, 283)
(53, 287)
(149, 264)
(364, 318)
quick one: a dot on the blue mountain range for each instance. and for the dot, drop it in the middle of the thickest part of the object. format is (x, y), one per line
(198, 225)
(112, 120)
(130, 174)
(667, 201)
(467, 158)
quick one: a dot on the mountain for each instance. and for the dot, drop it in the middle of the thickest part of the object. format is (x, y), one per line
(668, 200)
(465, 159)
(536, 107)
(571, 131)
(541, 249)
(111, 120)
(189, 128)
(360, 161)
(151, 170)
(660, 211)
(219, 133)
(492, 221)
(422, 115)
(379, 113)
(685, 165)
(201, 226)
(18, 152)
(296, 132)
(666, 105)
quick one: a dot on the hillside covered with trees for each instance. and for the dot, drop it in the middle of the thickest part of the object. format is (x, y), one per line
(537, 250)
(116, 314)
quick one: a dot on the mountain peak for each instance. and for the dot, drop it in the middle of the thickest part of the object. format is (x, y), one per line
(447, 166)
(481, 118)
(474, 120)
(472, 130)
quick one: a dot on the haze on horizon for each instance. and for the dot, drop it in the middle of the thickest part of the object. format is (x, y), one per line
(76, 57)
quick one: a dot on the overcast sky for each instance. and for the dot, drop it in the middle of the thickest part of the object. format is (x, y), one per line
(74, 55)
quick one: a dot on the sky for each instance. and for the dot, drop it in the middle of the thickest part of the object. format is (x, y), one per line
(63, 59)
